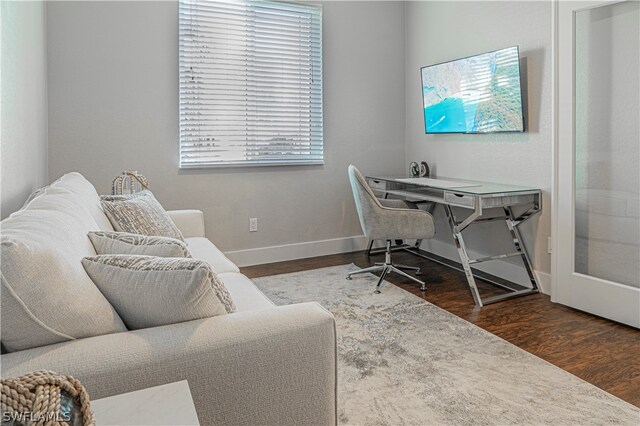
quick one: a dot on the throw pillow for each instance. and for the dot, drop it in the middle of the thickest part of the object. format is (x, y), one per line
(150, 291)
(46, 295)
(106, 242)
(139, 213)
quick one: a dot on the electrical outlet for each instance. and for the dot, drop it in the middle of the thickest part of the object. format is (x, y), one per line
(253, 224)
(549, 245)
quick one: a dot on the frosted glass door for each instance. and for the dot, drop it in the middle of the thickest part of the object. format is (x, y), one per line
(607, 149)
(596, 230)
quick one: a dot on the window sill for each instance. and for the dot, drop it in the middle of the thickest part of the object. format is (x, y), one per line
(244, 164)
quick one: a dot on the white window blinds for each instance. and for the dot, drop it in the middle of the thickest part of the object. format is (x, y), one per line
(250, 83)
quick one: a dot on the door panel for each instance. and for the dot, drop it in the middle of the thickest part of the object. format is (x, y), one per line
(597, 224)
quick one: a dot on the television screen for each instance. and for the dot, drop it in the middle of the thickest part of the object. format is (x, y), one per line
(479, 94)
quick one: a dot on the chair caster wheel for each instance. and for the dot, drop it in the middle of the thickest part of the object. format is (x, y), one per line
(419, 272)
(423, 289)
(349, 278)
(377, 291)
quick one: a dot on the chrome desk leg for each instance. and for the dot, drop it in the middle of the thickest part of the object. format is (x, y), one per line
(520, 248)
(464, 257)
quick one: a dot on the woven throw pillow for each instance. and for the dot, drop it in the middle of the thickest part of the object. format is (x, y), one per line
(139, 213)
(106, 242)
(150, 291)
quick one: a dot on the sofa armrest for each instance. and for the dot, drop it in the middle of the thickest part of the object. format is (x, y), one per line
(269, 367)
(189, 222)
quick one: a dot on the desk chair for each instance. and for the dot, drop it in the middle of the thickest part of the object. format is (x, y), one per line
(400, 245)
(391, 221)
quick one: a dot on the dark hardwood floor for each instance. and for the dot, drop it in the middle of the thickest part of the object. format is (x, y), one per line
(599, 351)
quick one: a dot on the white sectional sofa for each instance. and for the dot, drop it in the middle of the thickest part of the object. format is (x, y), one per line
(261, 365)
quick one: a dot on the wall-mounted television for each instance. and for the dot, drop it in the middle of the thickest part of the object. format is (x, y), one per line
(478, 94)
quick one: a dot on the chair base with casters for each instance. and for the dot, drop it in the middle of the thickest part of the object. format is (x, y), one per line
(389, 266)
(399, 245)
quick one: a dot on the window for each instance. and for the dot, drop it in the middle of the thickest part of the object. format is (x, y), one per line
(250, 83)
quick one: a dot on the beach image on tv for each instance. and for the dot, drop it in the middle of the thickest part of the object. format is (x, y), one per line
(480, 94)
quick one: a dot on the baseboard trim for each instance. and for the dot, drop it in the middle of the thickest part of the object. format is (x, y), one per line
(258, 256)
(283, 253)
(544, 280)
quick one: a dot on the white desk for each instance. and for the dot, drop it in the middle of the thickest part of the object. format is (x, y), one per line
(476, 197)
(169, 404)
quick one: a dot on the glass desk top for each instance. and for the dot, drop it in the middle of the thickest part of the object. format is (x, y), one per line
(478, 188)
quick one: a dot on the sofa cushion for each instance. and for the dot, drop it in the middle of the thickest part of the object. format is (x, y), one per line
(244, 293)
(105, 242)
(149, 291)
(46, 295)
(189, 222)
(139, 213)
(77, 184)
(202, 248)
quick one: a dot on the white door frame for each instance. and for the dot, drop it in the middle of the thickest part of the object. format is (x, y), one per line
(598, 296)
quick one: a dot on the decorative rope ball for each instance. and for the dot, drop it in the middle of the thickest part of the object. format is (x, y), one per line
(45, 398)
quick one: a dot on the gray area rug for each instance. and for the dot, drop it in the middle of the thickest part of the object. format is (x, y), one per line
(404, 361)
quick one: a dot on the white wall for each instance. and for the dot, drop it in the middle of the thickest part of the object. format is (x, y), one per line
(440, 31)
(23, 139)
(113, 105)
(113, 88)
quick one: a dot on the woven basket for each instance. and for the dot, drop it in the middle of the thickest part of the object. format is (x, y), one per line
(45, 398)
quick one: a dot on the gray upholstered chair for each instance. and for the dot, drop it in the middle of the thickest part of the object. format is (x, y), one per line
(388, 220)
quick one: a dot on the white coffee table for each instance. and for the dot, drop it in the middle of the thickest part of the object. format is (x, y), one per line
(169, 404)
